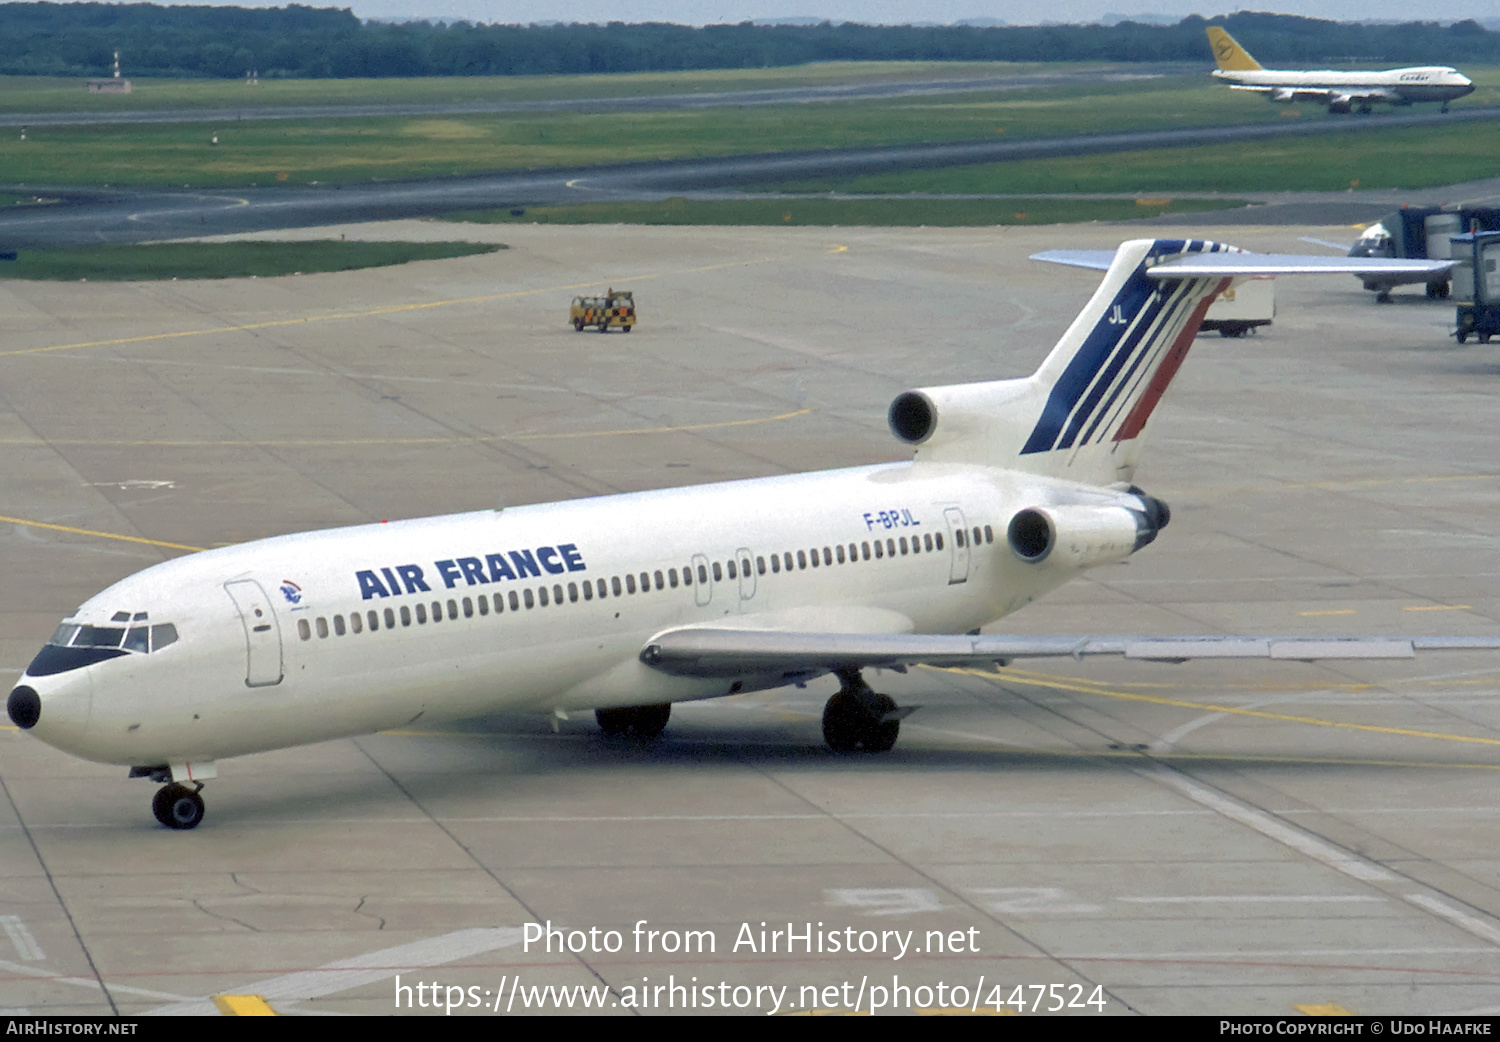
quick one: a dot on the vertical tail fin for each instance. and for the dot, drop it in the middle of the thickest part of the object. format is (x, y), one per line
(1228, 53)
(1110, 369)
(1081, 414)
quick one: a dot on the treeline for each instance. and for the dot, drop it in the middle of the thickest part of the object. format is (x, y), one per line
(79, 39)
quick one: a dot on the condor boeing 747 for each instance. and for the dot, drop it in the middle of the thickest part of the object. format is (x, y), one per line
(1341, 91)
(625, 604)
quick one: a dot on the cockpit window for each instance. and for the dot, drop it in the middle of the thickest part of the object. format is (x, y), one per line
(99, 637)
(73, 646)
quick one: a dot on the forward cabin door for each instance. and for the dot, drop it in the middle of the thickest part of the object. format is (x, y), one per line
(262, 633)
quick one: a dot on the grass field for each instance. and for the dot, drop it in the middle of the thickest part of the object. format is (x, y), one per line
(389, 148)
(56, 94)
(1413, 158)
(223, 260)
(352, 149)
(939, 213)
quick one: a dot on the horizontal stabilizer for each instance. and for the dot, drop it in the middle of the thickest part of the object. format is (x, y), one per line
(1233, 263)
(1290, 264)
(702, 651)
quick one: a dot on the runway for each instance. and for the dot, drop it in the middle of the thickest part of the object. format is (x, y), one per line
(1206, 838)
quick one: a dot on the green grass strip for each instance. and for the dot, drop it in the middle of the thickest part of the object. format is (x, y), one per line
(1410, 158)
(223, 260)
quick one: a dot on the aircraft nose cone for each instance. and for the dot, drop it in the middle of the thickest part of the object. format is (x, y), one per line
(24, 707)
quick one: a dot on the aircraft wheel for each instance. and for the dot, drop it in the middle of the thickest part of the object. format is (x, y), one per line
(843, 723)
(1463, 338)
(1383, 297)
(604, 326)
(177, 807)
(613, 721)
(641, 721)
(628, 328)
(881, 737)
(650, 721)
(1444, 290)
(578, 325)
(1434, 290)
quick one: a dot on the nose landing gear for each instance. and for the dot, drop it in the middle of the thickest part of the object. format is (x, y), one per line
(178, 806)
(859, 718)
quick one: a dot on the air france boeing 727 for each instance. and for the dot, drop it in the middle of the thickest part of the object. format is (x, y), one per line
(625, 604)
(1341, 91)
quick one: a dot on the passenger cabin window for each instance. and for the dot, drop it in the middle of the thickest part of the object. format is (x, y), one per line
(338, 625)
(304, 630)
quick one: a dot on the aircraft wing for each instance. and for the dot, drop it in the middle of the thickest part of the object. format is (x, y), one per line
(709, 652)
(1245, 263)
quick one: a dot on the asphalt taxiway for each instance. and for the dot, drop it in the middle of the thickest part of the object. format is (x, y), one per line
(1248, 838)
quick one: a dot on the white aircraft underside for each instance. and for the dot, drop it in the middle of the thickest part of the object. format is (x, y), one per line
(625, 604)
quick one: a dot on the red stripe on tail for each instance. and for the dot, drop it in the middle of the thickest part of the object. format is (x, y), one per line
(1162, 378)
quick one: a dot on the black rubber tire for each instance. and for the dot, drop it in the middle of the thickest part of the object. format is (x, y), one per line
(641, 721)
(844, 722)
(879, 737)
(178, 807)
(578, 325)
(650, 721)
(613, 721)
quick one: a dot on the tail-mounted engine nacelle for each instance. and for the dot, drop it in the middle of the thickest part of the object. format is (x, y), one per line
(945, 419)
(1082, 536)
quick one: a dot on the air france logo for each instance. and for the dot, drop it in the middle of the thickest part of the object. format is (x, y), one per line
(394, 580)
(291, 591)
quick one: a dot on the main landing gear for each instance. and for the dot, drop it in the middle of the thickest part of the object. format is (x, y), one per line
(859, 718)
(640, 721)
(178, 806)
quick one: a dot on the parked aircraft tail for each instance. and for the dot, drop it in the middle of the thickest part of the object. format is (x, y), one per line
(1228, 53)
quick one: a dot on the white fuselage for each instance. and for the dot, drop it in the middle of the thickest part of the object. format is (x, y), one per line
(1430, 83)
(348, 640)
